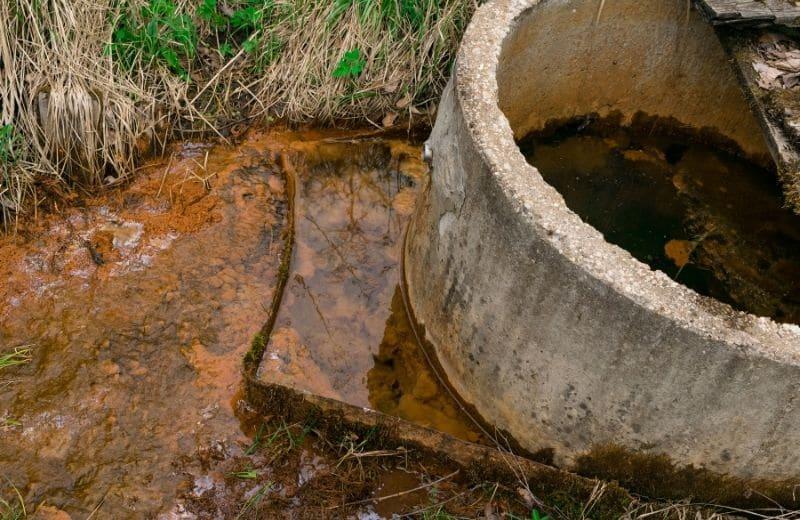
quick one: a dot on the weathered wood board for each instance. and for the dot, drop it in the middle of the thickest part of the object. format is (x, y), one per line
(751, 12)
(777, 110)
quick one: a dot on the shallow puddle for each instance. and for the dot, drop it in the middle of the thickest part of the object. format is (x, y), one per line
(139, 305)
(342, 330)
(706, 217)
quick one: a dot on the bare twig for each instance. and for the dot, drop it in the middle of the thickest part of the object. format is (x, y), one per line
(401, 493)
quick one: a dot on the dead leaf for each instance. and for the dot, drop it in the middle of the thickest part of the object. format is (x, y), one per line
(388, 119)
(226, 10)
(788, 64)
(404, 101)
(767, 76)
(391, 88)
(790, 80)
(779, 65)
(526, 496)
(678, 251)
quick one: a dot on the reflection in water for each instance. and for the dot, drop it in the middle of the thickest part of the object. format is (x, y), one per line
(709, 219)
(403, 384)
(341, 330)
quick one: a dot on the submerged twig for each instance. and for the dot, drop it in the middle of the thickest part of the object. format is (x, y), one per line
(401, 493)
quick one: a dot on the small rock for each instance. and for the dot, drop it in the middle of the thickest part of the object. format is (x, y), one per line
(209, 411)
(137, 369)
(215, 282)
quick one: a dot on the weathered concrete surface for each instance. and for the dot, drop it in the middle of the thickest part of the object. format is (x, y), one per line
(553, 334)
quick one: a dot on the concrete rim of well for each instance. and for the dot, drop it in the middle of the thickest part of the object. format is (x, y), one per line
(542, 208)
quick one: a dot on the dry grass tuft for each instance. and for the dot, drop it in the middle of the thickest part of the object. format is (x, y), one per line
(87, 87)
(406, 59)
(671, 511)
(73, 118)
(18, 356)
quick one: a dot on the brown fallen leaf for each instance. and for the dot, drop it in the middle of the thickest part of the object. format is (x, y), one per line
(787, 64)
(391, 88)
(678, 251)
(767, 75)
(404, 101)
(388, 119)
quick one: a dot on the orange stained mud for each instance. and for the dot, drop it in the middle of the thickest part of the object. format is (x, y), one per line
(679, 251)
(139, 304)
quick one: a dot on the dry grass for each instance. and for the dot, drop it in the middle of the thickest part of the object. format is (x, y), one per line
(76, 121)
(81, 114)
(402, 63)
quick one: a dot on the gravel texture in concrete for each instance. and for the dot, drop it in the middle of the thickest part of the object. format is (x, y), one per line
(553, 334)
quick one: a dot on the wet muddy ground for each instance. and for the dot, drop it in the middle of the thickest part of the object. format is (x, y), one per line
(702, 214)
(295, 471)
(137, 307)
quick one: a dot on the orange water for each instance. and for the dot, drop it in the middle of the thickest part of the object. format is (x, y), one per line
(139, 304)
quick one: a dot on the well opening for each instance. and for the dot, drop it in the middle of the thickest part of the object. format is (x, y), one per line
(652, 143)
(565, 59)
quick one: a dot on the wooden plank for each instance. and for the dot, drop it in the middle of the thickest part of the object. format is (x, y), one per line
(750, 12)
(776, 109)
(736, 11)
(787, 12)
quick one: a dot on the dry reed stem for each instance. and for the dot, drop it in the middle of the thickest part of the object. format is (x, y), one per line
(81, 117)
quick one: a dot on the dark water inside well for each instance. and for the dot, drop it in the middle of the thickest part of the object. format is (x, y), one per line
(700, 213)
